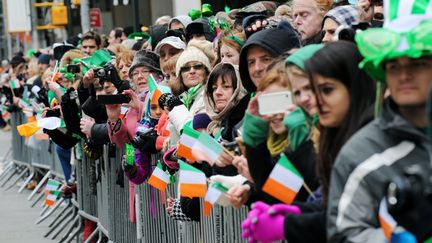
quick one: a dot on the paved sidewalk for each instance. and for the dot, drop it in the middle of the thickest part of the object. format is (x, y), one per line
(16, 216)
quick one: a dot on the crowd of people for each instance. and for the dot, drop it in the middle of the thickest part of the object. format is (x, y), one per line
(356, 129)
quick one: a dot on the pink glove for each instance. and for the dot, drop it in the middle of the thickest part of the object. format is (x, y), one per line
(256, 226)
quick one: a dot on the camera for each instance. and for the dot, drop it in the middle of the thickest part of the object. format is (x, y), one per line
(73, 68)
(348, 33)
(107, 73)
(141, 139)
(409, 201)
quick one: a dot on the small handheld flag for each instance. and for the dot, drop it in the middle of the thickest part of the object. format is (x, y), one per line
(214, 192)
(159, 178)
(52, 192)
(284, 181)
(192, 181)
(388, 224)
(30, 128)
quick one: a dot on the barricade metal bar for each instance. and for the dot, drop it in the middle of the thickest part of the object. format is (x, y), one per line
(26, 181)
(20, 176)
(39, 185)
(51, 211)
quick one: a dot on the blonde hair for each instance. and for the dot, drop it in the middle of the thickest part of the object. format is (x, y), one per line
(70, 55)
(125, 56)
(117, 48)
(225, 40)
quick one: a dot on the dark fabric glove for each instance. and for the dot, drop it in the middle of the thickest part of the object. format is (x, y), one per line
(147, 142)
(163, 99)
(172, 101)
(131, 170)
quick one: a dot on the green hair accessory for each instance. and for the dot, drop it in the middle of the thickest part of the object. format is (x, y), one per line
(236, 39)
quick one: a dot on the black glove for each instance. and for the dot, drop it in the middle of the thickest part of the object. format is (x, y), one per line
(145, 142)
(172, 101)
(163, 99)
(131, 170)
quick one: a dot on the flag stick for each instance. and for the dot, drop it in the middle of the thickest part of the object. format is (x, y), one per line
(309, 190)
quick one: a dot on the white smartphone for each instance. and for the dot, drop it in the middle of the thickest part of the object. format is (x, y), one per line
(273, 103)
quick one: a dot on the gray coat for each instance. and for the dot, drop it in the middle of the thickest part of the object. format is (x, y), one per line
(362, 170)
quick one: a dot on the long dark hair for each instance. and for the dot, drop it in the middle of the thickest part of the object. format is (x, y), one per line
(340, 60)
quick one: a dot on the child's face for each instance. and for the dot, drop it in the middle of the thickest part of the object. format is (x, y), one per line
(155, 111)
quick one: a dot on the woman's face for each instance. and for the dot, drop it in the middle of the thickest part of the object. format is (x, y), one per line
(276, 120)
(139, 78)
(193, 73)
(123, 69)
(303, 94)
(222, 92)
(334, 100)
(155, 111)
(229, 54)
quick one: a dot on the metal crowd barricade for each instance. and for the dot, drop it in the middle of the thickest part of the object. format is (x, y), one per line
(113, 200)
(20, 163)
(153, 224)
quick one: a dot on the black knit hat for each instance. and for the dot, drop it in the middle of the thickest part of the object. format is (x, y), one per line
(275, 41)
(200, 26)
(144, 58)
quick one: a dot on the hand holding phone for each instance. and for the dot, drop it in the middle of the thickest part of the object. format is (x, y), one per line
(273, 103)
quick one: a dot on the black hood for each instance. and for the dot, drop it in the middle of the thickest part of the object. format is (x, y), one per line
(275, 41)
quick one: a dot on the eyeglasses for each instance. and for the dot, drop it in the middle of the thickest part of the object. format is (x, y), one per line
(144, 73)
(188, 68)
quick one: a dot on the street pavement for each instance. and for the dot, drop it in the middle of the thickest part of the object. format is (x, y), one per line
(17, 218)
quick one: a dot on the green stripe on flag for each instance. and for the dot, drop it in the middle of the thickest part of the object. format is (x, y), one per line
(220, 187)
(394, 9)
(53, 183)
(185, 166)
(152, 83)
(189, 131)
(286, 163)
(55, 193)
(159, 165)
(210, 143)
(420, 6)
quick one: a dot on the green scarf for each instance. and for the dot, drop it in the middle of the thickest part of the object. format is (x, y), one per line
(276, 143)
(191, 93)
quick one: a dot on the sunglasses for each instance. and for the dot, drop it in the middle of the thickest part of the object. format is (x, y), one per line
(188, 68)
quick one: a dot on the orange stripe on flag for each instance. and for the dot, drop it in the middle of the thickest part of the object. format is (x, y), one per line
(193, 190)
(387, 228)
(279, 191)
(49, 202)
(155, 98)
(158, 183)
(207, 208)
(185, 152)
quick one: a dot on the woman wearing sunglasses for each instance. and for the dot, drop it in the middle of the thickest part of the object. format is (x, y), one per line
(192, 69)
(344, 95)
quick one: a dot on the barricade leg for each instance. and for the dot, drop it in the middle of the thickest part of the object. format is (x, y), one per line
(54, 221)
(8, 167)
(20, 176)
(92, 235)
(15, 171)
(74, 233)
(32, 173)
(38, 198)
(70, 210)
(39, 185)
(45, 216)
(7, 155)
(71, 227)
(64, 224)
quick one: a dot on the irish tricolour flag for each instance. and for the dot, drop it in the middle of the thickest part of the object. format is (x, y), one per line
(207, 149)
(192, 181)
(214, 192)
(52, 192)
(14, 84)
(284, 181)
(154, 90)
(30, 128)
(187, 140)
(159, 178)
(388, 224)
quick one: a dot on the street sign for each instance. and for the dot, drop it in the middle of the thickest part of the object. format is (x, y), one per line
(95, 18)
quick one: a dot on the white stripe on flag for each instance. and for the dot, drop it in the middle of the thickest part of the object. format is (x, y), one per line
(192, 177)
(286, 177)
(384, 214)
(209, 153)
(187, 141)
(212, 195)
(161, 175)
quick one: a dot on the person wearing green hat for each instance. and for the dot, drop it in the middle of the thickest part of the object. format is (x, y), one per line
(400, 56)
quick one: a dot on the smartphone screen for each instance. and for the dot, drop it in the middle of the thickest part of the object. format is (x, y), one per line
(273, 103)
